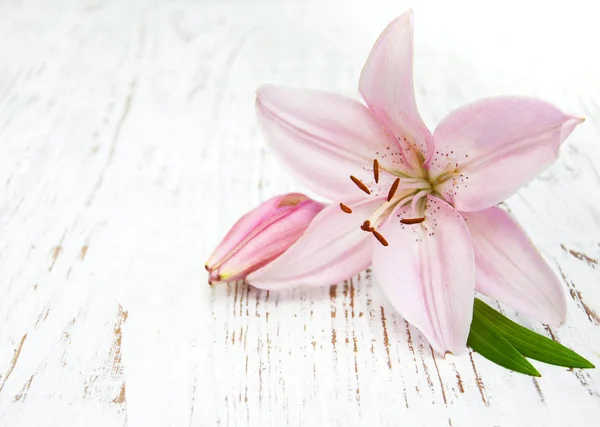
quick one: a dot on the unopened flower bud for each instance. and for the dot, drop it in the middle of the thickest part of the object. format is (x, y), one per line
(260, 236)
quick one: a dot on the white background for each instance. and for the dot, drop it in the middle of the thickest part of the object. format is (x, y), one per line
(128, 147)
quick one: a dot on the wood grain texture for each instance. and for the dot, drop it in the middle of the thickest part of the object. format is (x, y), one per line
(128, 147)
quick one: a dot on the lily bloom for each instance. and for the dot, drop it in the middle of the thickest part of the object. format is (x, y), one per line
(261, 236)
(419, 206)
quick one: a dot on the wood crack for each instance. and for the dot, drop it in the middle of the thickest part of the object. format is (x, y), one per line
(113, 146)
(14, 361)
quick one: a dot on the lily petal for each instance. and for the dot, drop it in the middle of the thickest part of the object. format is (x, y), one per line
(323, 138)
(490, 148)
(428, 273)
(261, 235)
(332, 249)
(249, 222)
(386, 84)
(510, 269)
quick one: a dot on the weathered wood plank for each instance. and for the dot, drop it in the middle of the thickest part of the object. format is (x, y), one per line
(128, 147)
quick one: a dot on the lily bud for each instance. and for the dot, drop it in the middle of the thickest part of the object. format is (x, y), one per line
(260, 236)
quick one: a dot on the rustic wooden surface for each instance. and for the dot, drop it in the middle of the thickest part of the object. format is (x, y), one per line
(128, 146)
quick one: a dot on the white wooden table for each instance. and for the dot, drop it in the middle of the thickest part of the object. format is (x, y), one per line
(128, 147)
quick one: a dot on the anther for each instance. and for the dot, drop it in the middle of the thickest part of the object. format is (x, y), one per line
(376, 170)
(345, 208)
(379, 237)
(359, 184)
(393, 189)
(412, 220)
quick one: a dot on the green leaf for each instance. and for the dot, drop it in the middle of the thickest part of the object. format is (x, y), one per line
(485, 340)
(528, 343)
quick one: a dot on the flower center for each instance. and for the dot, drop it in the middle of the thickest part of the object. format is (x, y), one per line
(404, 190)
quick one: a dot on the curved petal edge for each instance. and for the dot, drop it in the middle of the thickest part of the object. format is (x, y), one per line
(511, 270)
(428, 274)
(322, 138)
(386, 84)
(332, 249)
(486, 150)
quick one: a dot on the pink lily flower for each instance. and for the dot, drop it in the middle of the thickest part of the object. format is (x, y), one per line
(418, 206)
(260, 236)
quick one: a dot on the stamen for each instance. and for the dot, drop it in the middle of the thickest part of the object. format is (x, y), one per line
(412, 220)
(379, 237)
(345, 208)
(376, 171)
(393, 189)
(366, 226)
(359, 184)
